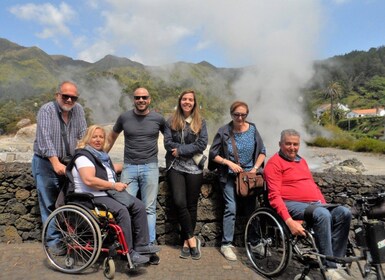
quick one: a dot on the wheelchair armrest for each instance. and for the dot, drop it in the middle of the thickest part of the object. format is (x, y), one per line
(81, 196)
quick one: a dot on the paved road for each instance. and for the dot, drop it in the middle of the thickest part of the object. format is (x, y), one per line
(28, 261)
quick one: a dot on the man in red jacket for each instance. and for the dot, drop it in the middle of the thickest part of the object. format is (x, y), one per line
(292, 190)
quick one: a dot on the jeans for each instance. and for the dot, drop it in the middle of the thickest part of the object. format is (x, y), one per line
(144, 178)
(331, 228)
(231, 200)
(185, 189)
(48, 185)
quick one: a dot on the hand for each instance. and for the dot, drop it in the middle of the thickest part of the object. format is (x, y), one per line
(59, 168)
(234, 167)
(174, 152)
(295, 227)
(119, 186)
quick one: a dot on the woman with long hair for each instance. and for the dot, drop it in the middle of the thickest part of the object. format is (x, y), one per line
(185, 139)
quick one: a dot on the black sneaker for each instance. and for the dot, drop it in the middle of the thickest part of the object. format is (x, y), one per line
(137, 259)
(185, 252)
(196, 251)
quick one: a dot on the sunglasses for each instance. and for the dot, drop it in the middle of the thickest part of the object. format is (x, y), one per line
(144, 97)
(237, 115)
(65, 97)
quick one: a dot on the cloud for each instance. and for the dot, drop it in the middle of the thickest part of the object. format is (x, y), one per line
(53, 19)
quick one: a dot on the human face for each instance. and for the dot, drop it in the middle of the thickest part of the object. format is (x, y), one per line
(187, 103)
(67, 96)
(97, 139)
(239, 115)
(290, 146)
(142, 100)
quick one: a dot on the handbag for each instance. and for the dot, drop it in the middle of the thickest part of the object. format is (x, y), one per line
(246, 183)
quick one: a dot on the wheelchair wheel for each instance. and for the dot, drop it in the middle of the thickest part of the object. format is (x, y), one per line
(267, 243)
(109, 268)
(77, 242)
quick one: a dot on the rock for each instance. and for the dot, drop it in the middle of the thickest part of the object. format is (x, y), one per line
(9, 234)
(23, 123)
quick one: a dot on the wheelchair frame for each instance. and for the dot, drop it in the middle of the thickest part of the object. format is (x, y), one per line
(81, 235)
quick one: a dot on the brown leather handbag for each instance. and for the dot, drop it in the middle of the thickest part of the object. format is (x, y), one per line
(246, 183)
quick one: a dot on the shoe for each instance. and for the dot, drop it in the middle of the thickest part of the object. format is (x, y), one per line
(228, 253)
(196, 251)
(147, 249)
(185, 252)
(58, 249)
(260, 250)
(337, 274)
(137, 258)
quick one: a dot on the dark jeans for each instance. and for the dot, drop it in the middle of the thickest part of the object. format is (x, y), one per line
(185, 190)
(135, 232)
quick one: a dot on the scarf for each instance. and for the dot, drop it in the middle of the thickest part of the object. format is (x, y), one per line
(104, 158)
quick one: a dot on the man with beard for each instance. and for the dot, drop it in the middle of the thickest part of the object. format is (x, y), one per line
(141, 131)
(60, 124)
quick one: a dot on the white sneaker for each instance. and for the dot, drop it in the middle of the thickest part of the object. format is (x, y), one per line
(337, 274)
(228, 253)
(260, 250)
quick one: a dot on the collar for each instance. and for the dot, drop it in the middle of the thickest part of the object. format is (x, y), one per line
(285, 157)
(188, 119)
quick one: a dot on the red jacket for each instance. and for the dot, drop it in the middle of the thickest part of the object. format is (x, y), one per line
(290, 180)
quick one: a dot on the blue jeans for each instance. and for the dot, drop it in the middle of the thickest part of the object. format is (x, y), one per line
(331, 228)
(246, 205)
(230, 211)
(48, 186)
(144, 177)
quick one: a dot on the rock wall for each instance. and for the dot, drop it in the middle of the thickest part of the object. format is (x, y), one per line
(20, 218)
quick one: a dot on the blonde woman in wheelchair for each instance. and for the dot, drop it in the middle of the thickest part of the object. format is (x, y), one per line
(93, 172)
(291, 190)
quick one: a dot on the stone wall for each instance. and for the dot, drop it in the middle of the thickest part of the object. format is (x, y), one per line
(20, 218)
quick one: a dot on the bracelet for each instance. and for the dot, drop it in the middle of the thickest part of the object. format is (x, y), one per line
(113, 185)
(254, 167)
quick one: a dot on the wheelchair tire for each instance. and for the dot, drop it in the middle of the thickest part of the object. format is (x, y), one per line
(78, 241)
(109, 268)
(267, 242)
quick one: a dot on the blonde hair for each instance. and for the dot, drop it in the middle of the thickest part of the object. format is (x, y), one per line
(178, 119)
(88, 135)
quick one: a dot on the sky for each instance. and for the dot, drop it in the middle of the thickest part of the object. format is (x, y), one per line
(279, 39)
(223, 33)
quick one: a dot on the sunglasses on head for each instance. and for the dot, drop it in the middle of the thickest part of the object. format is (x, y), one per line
(144, 97)
(65, 97)
(237, 115)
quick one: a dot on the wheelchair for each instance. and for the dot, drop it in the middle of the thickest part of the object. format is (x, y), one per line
(85, 230)
(271, 247)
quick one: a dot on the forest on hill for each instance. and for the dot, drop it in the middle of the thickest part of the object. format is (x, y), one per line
(29, 77)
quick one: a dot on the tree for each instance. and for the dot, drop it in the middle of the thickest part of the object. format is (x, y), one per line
(333, 91)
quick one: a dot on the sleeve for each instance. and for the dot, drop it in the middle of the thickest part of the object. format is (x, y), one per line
(168, 142)
(83, 161)
(45, 119)
(273, 176)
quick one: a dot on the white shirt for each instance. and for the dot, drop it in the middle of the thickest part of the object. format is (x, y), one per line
(80, 187)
